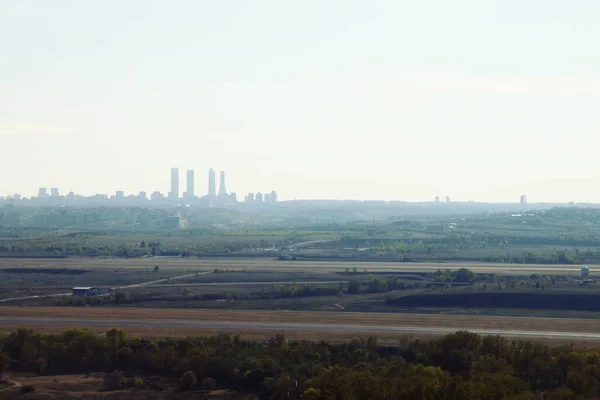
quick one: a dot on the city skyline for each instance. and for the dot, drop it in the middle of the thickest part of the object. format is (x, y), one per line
(189, 193)
(174, 194)
(340, 99)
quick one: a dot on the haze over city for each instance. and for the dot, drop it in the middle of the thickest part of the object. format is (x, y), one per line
(382, 100)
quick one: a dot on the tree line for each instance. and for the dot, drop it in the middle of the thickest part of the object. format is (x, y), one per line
(462, 365)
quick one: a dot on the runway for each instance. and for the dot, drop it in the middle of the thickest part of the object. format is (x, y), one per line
(286, 326)
(273, 265)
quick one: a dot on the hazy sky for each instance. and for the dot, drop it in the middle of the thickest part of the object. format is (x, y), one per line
(399, 100)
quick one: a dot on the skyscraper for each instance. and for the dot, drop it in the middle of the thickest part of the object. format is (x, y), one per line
(190, 183)
(212, 188)
(222, 188)
(54, 192)
(174, 193)
(42, 192)
(523, 199)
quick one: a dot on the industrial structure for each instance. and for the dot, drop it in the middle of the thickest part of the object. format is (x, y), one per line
(90, 291)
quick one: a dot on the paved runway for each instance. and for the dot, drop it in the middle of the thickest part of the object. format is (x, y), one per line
(266, 326)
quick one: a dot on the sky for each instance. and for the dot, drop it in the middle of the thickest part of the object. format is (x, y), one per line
(397, 100)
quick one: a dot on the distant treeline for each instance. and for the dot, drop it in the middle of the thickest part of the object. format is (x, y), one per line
(498, 299)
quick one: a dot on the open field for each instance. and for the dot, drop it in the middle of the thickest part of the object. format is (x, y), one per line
(268, 284)
(321, 318)
(268, 264)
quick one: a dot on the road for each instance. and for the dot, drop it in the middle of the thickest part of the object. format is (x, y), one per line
(135, 285)
(304, 327)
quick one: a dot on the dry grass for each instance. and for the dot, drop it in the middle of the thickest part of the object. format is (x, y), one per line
(333, 336)
(324, 318)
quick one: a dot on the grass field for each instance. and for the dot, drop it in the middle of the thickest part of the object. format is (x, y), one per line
(11, 321)
(323, 318)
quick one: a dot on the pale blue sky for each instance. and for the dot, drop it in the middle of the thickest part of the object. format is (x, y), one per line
(399, 100)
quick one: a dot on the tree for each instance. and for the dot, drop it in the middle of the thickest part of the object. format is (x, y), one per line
(464, 275)
(353, 286)
(156, 268)
(115, 337)
(187, 381)
(143, 244)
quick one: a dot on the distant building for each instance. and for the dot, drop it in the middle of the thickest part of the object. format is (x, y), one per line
(54, 192)
(171, 222)
(156, 196)
(259, 197)
(142, 196)
(222, 187)
(84, 291)
(437, 199)
(119, 194)
(267, 197)
(274, 196)
(212, 188)
(17, 196)
(249, 198)
(174, 193)
(190, 183)
(447, 199)
(42, 192)
(233, 197)
(523, 199)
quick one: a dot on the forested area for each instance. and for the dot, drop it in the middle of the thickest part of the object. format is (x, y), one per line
(457, 366)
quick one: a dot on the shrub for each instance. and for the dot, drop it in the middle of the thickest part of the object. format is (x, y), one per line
(187, 381)
(113, 380)
(209, 384)
(27, 389)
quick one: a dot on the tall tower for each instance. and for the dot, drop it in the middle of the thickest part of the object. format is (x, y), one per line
(222, 188)
(523, 199)
(212, 188)
(174, 193)
(190, 183)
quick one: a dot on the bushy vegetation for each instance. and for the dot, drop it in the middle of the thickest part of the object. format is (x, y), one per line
(457, 366)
